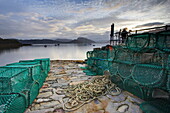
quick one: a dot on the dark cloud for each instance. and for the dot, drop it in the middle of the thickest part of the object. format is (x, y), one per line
(150, 24)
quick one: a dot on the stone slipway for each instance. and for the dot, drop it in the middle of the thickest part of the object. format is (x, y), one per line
(68, 72)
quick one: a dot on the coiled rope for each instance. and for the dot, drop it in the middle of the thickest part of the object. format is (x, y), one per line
(80, 94)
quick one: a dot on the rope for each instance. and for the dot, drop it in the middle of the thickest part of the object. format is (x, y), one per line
(83, 93)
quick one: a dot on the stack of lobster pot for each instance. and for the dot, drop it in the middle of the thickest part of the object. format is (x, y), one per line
(20, 83)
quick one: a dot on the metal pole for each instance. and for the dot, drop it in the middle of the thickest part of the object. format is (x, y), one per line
(112, 34)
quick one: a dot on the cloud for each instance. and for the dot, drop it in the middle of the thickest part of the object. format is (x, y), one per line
(73, 18)
(150, 24)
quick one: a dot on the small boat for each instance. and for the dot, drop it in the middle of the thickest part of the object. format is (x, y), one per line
(45, 45)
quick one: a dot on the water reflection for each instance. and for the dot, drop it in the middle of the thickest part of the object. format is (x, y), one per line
(61, 52)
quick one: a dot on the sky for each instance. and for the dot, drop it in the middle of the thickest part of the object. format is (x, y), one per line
(52, 19)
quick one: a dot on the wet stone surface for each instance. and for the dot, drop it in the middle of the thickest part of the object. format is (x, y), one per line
(66, 73)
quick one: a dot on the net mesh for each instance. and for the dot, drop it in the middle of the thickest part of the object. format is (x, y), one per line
(125, 70)
(147, 74)
(133, 87)
(113, 68)
(13, 103)
(155, 106)
(141, 41)
(14, 83)
(18, 105)
(163, 40)
(117, 80)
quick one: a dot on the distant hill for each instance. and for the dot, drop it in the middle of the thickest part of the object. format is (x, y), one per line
(39, 41)
(82, 40)
(9, 43)
(56, 41)
(63, 40)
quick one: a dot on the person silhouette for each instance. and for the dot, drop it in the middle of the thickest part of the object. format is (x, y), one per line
(124, 34)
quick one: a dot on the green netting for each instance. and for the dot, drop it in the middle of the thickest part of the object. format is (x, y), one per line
(13, 103)
(155, 106)
(125, 70)
(18, 105)
(149, 75)
(168, 83)
(4, 100)
(133, 87)
(137, 42)
(102, 63)
(9, 72)
(113, 67)
(103, 54)
(163, 40)
(89, 54)
(45, 64)
(34, 70)
(33, 89)
(159, 58)
(118, 80)
(100, 71)
(168, 63)
(25, 63)
(96, 52)
(123, 55)
(111, 54)
(14, 83)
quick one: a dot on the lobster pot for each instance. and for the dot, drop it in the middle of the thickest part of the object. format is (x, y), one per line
(96, 52)
(134, 88)
(100, 71)
(155, 57)
(14, 80)
(125, 70)
(123, 55)
(89, 54)
(148, 75)
(111, 53)
(139, 42)
(103, 63)
(13, 103)
(113, 66)
(34, 71)
(118, 80)
(163, 40)
(32, 92)
(103, 54)
(45, 64)
(155, 106)
(168, 63)
(168, 84)
(90, 62)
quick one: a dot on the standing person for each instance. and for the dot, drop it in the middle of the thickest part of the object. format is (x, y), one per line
(124, 34)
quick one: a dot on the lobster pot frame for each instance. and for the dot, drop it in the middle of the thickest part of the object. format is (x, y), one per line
(35, 72)
(163, 40)
(14, 80)
(140, 42)
(13, 103)
(123, 55)
(118, 80)
(134, 88)
(113, 67)
(125, 70)
(148, 75)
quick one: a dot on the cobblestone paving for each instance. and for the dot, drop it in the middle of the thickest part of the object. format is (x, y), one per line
(64, 73)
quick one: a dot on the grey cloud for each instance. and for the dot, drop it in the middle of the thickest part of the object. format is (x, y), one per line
(150, 24)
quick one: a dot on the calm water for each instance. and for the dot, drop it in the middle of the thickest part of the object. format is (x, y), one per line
(62, 52)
